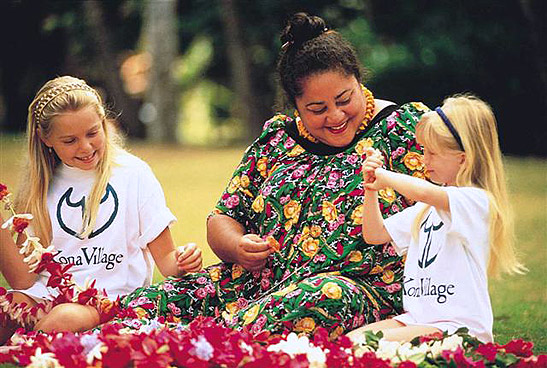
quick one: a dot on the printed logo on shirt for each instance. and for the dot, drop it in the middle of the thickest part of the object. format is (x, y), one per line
(428, 229)
(425, 287)
(66, 207)
(91, 256)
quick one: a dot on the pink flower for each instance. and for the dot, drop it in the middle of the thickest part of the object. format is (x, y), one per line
(201, 280)
(289, 143)
(264, 283)
(3, 191)
(201, 293)
(232, 201)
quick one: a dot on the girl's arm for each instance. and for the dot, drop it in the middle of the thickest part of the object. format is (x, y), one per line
(411, 187)
(374, 231)
(167, 257)
(14, 269)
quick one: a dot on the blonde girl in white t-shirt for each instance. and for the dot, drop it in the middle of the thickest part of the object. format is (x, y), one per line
(73, 147)
(459, 230)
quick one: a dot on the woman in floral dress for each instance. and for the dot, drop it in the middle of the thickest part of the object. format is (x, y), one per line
(288, 226)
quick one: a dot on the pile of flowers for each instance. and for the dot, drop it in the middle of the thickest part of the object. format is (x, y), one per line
(205, 343)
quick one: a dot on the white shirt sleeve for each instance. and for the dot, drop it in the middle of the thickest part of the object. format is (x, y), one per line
(469, 211)
(399, 226)
(154, 215)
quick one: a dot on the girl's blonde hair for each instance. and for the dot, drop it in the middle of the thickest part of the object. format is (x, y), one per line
(58, 96)
(483, 168)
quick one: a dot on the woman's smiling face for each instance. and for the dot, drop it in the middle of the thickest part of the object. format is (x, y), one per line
(332, 107)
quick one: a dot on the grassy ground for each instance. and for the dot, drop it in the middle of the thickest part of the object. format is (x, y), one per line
(194, 178)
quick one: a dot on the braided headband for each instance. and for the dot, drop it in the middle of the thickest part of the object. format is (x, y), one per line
(56, 92)
(450, 127)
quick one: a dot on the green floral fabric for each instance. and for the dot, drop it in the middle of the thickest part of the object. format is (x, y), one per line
(306, 199)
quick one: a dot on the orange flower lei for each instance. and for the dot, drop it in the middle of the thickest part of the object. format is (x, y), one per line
(369, 112)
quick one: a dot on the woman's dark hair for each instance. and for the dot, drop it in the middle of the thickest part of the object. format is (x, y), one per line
(308, 48)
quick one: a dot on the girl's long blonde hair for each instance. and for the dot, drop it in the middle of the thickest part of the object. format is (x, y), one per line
(58, 96)
(483, 168)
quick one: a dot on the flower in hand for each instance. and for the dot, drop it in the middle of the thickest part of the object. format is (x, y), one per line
(189, 258)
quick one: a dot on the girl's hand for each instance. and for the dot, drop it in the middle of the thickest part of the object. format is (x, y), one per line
(252, 252)
(373, 161)
(379, 181)
(189, 258)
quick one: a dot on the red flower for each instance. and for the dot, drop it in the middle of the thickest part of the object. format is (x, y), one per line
(407, 364)
(519, 347)
(3, 191)
(489, 351)
(47, 258)
(431, 337)
(20, 224)
(88, 294)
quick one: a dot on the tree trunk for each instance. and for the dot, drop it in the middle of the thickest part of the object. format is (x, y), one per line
(240, 69)
(111, 76)
(162, 97)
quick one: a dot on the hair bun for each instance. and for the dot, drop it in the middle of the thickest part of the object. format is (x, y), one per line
(301, 28)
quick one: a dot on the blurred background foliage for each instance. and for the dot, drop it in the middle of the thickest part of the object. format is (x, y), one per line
(202, 72)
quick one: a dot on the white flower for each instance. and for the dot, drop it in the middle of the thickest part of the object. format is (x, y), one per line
(295, 345)
(387, 349)
(202, 348)
(43, 360)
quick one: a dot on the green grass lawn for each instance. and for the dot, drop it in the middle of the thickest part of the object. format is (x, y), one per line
(194, 178)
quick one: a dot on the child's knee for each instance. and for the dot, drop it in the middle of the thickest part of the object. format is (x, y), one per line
(69, 317)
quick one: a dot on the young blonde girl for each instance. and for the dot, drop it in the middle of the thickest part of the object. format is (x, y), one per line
(459, 231)
(99, 206)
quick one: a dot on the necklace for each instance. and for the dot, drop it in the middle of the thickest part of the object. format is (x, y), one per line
(369, 112)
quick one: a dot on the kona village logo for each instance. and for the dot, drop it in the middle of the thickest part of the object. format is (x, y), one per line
(91, 256)
(424, 287)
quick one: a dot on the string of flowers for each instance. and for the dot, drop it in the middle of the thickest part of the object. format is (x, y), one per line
(205, 343)
(39, 259)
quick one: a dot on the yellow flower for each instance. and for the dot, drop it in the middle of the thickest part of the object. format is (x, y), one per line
(419, 174)
(250, 314)
(387, 195)
(419, 106)
(388, 276)
(234, 184)
(336, 333)
(237, 270)
(376, 269)
(297, 150)
(362, 146)
(232, 308)
(414, 161)
(306, 324)
(286, 290)
(258, 204)
(315, 231)
(140, 312)
(357, 215)
(292, 210)
(329, 211)
(310, 247)
(355, 256)
(262, 166)
(332, 290)
(214, 273)
(245, 181)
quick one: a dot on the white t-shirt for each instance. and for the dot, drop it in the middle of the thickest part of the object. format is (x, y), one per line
(445, 277)
(132, 213)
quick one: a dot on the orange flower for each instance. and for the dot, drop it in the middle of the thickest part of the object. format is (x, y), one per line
(292, 210)
(414, 161)
(355, 256)
(237, 270)
(388, 276)
(306, 324)
(357, 215)
(258, 204)
(232, 307)
(273, 244)
(329, 211)
(262, 166)
(387, 195)
(251, 314)
(245, 181)
(315, 231)
(310, 247)
(362, 146)
(297, 150)
(332, 290)
(214, 273)
(234, 184)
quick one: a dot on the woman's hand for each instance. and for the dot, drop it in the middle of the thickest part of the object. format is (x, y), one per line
(189, 258)
(252, 252)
